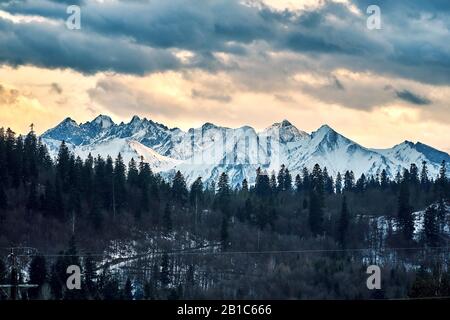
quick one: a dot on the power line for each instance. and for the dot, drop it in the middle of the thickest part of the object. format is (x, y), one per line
(378, 251)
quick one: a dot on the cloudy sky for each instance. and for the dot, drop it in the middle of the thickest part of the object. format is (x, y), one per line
(233, 63)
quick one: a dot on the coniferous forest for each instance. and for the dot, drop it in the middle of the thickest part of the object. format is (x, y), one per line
(138, 236)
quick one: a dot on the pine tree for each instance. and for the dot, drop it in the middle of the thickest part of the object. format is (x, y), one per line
(248, 214)
(316, 201)
(442, 181)
(164, 274)
(38, 275)
(361, 184)
(305, 179)
(58, 277)
(328, 184)
(384, 180)
(424, 181)
(96, 217)
(338, 183)
(287, 183)
(274, 186)
(133, 174)
(223, 194)
(414, 174)
(344, 221)
(431, 228)
(128, 290)
(262, 185)
(405, 216)
(89, 276)
(349, 181)
(196, 194)
(167, 219)
(179, 189)
(30, 157)
(63, 165)
(245, 186)
(441, 215)
(111, 289)
(298, 183)
(119, 192)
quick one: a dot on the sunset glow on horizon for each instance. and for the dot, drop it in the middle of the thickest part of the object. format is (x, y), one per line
(233, 64)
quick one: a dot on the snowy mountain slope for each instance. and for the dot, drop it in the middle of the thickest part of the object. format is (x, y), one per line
(384, 224)
(127, 148)
(209, 150)
(409, 152)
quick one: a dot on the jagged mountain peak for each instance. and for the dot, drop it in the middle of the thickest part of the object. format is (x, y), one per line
(209, 125)
(135, 119)
(211, 149)
(286, 132)
(324, 129)
(103, 121)
(68, 121)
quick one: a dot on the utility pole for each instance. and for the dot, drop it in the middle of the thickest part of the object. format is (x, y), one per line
(15, 286)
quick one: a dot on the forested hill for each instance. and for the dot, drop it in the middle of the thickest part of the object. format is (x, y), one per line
(138, 236)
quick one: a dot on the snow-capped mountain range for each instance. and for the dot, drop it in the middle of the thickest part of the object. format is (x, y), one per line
(209, 150)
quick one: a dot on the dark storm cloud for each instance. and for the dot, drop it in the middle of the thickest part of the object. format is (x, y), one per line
(63, 48)
(412, 98)
(139, 36)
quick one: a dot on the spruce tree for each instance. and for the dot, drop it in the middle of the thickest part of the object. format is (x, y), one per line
(338, 183)
(179, 189)
(287, 183)
(274, 186)
(344, 222)
(119, 183)
(223, 194)
(316, 195)
(128, 290)
(298, 183)
(424, 181)
(384, 180)
(90, 276)
(441, 215)
(63, 165)
(38, 275)
(133, 174)
(361, 184)
(405, 216)
(196, 193)
(164, 274)
(167, 219)
(431, 226)
(305, 179)
(349, 181)
(262, 185)
(245, 186)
